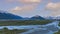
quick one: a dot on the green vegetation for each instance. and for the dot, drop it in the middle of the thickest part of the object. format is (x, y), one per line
(57, 32)
(24, 22)
(14, 31)
(59, 23)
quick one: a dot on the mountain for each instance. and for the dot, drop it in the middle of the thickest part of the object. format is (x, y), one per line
(58, 17)
(49, 17)
(37, 17)
(4, 15)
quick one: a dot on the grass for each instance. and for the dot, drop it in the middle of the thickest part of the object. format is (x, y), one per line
(20, 22)
(14, 31)
(57, 32)
(24, 22)
(59, 23)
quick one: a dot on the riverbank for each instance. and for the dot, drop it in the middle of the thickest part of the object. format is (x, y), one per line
(14, 31)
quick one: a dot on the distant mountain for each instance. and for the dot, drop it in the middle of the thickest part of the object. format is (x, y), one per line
(4, 15)
(26, 18)
(37, 17)
(58, 17)
(49, 17)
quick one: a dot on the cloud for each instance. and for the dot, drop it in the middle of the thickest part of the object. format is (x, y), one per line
(9, 1)
(25, 1)
(28, 6)
(30, 1)
(23, 8)
(16, 9)
(54, 8)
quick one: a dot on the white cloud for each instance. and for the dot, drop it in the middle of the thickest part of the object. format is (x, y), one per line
(27, 8)
(22, 10)
(54, 8)
(16, 9)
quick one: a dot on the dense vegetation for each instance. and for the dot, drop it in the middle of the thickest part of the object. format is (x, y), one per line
(24, 22)
(14, 31)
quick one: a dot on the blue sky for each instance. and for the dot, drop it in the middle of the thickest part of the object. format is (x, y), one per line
(28, 8)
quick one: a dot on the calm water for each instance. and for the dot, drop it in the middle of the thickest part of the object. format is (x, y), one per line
(37, 29)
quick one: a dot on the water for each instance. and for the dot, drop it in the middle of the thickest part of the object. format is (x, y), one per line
(45, 29)
(20, 27)
(37, 29)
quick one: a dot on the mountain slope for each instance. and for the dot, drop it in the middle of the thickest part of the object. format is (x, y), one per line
(9, 16)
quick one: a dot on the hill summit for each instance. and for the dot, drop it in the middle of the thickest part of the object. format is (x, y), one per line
(37, 17)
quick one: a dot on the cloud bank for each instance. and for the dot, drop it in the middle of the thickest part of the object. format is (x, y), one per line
(23, 8)
(54, 8)
(30, 5)
(27, 8)
(25, 1)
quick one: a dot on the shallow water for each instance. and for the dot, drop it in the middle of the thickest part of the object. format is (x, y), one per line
(45, 29)
(37, 29)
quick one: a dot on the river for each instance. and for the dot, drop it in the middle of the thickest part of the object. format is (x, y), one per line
(37, 29)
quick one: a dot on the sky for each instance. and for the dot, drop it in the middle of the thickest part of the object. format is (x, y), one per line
(28, 8)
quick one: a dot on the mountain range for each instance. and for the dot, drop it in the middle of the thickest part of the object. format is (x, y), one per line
(4, 15)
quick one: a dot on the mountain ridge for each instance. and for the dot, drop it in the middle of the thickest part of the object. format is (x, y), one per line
(6, 15)
(9, 16)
